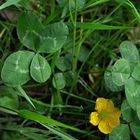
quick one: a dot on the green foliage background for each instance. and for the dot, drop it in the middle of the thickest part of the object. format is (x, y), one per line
(58, 57)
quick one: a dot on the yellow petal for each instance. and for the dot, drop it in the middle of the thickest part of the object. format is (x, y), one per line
(104, 127)
(117, 111)
(109, 106)
(94, 118)
(103, 104)
(100, 104)
(114, 118)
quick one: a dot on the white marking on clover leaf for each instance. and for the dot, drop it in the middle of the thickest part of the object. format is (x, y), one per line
(51, 38)
(40, 65)
(16, 66)
(135, 94)
(39, 68)
(37, 34)
(23, 71)
(121, 77)
(17, 61)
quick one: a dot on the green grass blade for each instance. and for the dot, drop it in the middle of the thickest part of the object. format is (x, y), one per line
(98, 26)
(59, 132)
(92, 3)
(42, 119)
(134, 10)
(34, 136)
(130, 6)
(23, 93)
(8, 3)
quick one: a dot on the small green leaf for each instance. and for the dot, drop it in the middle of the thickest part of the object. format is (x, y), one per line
(120, 132)
(70, 76)
(136, 72)
(15, 70)
(53, 37)
(36, 37)
(28, 30)
(129, 52)
(135, 127)
(59, 81)
(48, 45)
(63, 64)
(132, 91)
(127, 112)
(66, 4)
(120, 72)
(40, 69)
(109, 82)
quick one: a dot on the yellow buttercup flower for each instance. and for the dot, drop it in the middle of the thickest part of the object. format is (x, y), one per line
(106, 116)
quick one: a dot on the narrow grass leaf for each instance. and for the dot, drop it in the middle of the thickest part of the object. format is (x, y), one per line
(7, 110)
(9, 3)
(59, 132)
(131, 7)
(92, 3)
(43, 119)
(34, 136)
(99, 26)
(23, 93)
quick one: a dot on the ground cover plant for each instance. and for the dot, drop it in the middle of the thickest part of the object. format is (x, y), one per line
(70, 70)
